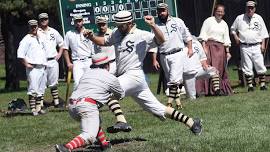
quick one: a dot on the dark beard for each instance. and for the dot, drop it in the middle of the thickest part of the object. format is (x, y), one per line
(163, 19)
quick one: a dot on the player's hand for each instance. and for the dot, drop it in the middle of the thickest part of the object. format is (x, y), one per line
(30, 66)
(88, 33)
(156, 65)
(70, 66)
(149, 20)
(57, 57)
(237, 41)
(190, 53)
(228, 55)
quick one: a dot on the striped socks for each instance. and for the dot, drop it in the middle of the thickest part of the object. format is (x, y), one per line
(54, 92)
(114, 106)
(178, 116)
(75, 143)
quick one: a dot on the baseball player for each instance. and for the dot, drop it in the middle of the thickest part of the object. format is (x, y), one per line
(81, 48)
(172, 56)
(33, 56)
(250, 32)
(103, 30)
(196, 67)
(53, 39)
(94, 90)
(131, 46)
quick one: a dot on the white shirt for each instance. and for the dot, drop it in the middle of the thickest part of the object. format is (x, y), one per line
(109, 50)
(251, 30)
(217, 31)
(31, 48)
(80, 46)
(131, 49)
(53, 39)
(175, 33)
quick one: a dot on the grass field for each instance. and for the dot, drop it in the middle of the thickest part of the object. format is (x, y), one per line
(231, 124)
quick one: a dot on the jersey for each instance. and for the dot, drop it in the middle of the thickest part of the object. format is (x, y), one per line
(80, 46)
(98, 84)
(32, 49)
(175, 33)
(251, 30)
(131, 49)
(53, 39)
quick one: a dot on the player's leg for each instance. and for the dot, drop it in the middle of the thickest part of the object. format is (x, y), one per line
(78, 70)
(41, 75)
(212, 73)
(247, 65)
(52, 76)
(260, 68)
(189, 81)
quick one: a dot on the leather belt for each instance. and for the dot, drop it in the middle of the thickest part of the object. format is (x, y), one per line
(112, 60)
(49, 59)
(172, 52)
(90, 100)
(250, 44)
(82, 59)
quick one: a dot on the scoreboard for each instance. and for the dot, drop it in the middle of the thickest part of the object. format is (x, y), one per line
(90, 9)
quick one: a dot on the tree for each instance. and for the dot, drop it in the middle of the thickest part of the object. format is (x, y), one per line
(14, 15)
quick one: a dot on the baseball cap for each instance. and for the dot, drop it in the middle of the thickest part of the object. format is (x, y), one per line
(251, 3)
(123, 17)
(43, 15)
(77, 17)
(100, 58)
(101, 19)
(162, 5)
(33, 22)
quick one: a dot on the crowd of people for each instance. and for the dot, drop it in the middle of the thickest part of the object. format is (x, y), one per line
(108, 65)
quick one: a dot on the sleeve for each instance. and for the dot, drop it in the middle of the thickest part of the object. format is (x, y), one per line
(227, 40)
(203, 32)
(234, 26)
(149, 38)
(185, 31)
(59, 39)
(22, 50)
(264, 33)
(116, 89)
(66, 41)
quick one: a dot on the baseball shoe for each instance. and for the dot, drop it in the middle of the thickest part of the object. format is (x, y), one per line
(119, 126)
(61, 148)
(106, 146)
(169, 104)
(179, 107)
(250, 89)
(263, 88)
(34, 113)
(197, 126)
(41, 112)
(217, 92)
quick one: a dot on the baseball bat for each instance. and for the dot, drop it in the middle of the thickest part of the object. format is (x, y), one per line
(68, 85)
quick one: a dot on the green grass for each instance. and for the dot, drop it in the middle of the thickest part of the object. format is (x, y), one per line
(231, 123)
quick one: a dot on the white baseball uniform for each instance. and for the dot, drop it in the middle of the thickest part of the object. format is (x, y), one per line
(109, 50)
(53, 39)
(172, 57)
(130, 53)
(251, 33)
(95, 87)
(193, 68)
(31, 49)
(81, 52)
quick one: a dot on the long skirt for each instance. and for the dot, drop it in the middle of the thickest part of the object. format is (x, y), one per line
(217, 58)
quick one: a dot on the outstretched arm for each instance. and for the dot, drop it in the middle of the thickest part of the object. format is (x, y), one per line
(158, 34)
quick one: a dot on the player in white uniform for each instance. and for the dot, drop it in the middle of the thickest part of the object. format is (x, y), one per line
(53, 39)
(196, 67)
(95, 88)
(250, 32)
(81, 50)
(32, 54)
(172, 56)
(131, 46)
(103, 30)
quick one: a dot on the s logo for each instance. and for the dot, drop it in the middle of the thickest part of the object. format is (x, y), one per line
(130, 46)
(52, 37)
(196, 49)
(174, 28)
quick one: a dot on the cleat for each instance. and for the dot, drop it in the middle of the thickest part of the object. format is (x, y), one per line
(217, 92)
(250, 89)
(34, 113)
(197, 126)
(61, 148)
(61, 104)
(169, 104)
(179, 107)
(119, 126)
(263, 88)
(42, 112)
(106, 146)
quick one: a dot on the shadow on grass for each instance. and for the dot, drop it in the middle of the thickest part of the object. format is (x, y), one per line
(22, 89)
(126, 140)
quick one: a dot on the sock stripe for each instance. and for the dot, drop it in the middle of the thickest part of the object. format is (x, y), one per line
(172, 116)
(177, 116)
(182, 117)
(186, 119)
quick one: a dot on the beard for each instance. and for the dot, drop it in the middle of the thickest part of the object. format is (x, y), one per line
(163, 19)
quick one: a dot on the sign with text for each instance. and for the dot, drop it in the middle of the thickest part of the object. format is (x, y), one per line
(90, 9)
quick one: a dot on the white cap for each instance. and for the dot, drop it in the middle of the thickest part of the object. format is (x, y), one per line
(101, 19)
(77, 17)
(123, 17)
(162, 5)
(251, 3)
(100, 58)
(33, 22)
(43, 15)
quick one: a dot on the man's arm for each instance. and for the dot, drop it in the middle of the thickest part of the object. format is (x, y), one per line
(158, 34)
(66, 56)
(26, 64)
(96, 39)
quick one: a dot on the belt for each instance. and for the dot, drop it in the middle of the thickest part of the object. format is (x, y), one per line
(90, 100)
(82, 59)
(250, 44)
(49, 59)
(172, 52)
(112, 60)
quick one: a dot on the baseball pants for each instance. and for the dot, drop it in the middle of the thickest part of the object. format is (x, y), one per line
(79, 67)
(36, 78)
(52, 73)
